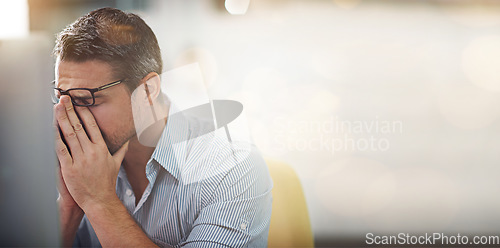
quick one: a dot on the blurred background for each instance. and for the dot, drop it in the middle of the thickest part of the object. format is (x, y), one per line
(387, 110)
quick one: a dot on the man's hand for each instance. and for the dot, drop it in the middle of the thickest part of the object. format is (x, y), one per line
(65, 200)
(90, 171)
(89, 174)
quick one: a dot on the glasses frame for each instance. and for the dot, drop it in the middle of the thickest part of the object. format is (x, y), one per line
(91, 90)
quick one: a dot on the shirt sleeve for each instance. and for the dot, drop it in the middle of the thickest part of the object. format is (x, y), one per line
(239, 210)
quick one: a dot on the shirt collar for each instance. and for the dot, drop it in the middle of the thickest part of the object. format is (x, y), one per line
(170, 151)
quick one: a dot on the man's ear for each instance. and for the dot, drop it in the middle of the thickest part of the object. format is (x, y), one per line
(152, 87)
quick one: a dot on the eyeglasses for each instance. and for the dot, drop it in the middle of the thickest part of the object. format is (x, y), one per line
(83, 97)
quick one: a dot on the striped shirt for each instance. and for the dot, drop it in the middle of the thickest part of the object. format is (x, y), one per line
(204, 191)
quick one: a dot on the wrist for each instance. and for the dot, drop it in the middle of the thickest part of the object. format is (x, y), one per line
(70, 216)
(69, 208)
(92, 207)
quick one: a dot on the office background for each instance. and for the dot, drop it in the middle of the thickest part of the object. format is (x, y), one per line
(387, 110)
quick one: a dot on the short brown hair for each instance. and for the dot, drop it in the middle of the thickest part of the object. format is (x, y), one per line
(121, 39)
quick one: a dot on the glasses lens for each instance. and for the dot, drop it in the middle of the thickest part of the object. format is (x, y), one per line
(81, 97)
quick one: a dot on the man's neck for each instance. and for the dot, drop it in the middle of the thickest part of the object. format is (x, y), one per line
(134, 165)
(149, 131)
(140, 150)
(137, 156)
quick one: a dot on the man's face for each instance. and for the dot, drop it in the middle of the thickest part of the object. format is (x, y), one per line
(112, 109)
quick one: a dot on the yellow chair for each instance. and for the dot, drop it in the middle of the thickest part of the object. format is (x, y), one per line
(290, 226)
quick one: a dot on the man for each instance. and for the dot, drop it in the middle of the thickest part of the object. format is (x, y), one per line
(193, 189)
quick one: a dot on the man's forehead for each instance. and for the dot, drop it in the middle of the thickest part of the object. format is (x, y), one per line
(86, 74)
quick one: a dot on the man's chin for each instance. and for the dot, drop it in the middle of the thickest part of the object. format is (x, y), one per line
(113, 148)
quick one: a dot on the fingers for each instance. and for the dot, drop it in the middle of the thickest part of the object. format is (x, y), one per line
(91, 127)
(62, 152)
(120, 154)
(75, 122)
(67, 129)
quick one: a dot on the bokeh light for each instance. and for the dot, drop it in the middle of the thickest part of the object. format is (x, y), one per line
(237, 7)
(481, 62)
(14, 21)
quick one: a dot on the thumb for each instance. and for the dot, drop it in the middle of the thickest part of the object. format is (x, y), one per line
(120, 154)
